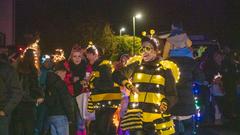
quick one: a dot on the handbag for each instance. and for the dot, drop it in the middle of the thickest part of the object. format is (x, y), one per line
(82, 101)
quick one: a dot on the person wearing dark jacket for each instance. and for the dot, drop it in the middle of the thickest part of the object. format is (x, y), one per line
(58, 101)
(46, 65)
(24, 115)
(182, 55)
(105, 96)
(184, 109)
(10, 94)
(152, 91)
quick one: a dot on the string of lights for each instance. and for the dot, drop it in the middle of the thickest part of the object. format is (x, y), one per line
(36, 52)
(197, 115)
(58, 56)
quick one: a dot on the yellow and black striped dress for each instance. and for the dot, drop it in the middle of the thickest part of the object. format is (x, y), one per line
(155, 83)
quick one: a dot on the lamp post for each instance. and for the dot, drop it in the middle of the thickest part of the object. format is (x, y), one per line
(121, 30)
(138, 16)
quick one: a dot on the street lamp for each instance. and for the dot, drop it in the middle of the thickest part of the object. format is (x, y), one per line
(138, 16)
(121, 30)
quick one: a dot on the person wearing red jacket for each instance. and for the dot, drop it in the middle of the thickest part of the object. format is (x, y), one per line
(76, 70)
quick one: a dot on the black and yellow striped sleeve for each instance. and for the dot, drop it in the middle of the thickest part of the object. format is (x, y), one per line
(90, 106)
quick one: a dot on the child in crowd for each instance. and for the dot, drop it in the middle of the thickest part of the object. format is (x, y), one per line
(59, 102)
(178, 43)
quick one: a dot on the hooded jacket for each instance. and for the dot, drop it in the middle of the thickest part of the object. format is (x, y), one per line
(58, 100)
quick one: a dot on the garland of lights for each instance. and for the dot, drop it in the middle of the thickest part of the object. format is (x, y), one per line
(58, 56)
(36, 52)
(197, 115)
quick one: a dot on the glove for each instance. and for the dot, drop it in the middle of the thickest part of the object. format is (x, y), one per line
(131, 87)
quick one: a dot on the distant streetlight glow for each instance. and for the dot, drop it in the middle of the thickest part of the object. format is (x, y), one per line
(121, 30)
(137, 16)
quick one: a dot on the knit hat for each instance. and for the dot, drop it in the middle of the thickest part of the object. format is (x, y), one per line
(44, 58)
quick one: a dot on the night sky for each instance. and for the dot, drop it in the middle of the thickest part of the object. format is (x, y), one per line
(57, 20)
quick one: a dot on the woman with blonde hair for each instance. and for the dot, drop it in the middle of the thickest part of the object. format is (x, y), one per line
(76, 70)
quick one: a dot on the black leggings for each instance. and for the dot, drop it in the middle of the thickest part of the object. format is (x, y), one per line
(103, 125)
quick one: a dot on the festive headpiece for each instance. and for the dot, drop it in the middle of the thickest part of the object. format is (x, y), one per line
(153, 41)
(92, 48)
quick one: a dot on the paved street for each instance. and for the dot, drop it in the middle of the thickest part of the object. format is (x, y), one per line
(217, 131)
(229, 128)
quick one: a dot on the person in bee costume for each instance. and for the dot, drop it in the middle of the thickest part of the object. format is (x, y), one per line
(152, 89)
(105, 96)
